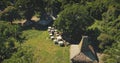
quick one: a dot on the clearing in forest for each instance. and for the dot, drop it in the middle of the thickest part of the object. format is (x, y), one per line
(45, 51)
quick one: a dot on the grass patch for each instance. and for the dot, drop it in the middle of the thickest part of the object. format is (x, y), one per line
(45, 51)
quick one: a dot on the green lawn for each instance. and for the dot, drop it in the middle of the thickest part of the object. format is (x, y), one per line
(45, 51)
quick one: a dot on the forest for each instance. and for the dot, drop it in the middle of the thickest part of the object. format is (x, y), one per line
(98, 19)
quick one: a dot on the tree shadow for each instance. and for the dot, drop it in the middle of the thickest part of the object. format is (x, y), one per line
(70, 40)
(34, 25)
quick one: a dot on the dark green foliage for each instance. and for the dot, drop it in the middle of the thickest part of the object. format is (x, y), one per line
(73, 21)
(111, 24)
(26, 8)
(109, 36)
(8, 39)
(113, 55)
(97, 8)
(5, 3)
(53, 7)
(9, 14)
(24, 54)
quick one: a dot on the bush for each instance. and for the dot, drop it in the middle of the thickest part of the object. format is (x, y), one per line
(9, 35)
(9, 14)
(24, 54)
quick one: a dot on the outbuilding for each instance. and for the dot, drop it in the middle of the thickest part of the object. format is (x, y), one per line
(83, 53)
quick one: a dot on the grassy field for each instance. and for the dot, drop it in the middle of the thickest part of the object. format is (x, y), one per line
(45, 51)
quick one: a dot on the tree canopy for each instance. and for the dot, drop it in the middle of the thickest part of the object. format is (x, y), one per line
(72, 22)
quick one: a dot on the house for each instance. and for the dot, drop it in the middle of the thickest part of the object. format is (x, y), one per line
(83, 52)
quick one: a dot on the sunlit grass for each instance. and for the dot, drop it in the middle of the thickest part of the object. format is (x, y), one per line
(45, 51)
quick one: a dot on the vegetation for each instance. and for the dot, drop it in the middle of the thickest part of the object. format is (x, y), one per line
(73, 23)
(9, 39)
(38, 48)
(99, 19)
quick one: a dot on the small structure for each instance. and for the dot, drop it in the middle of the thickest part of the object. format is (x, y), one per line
(59, 37)
(83, 52)
(55, 36)
(61, 43)
(52, 37)
(49, 27)
(55, 41)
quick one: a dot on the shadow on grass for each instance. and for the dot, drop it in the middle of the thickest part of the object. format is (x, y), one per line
(34, 25)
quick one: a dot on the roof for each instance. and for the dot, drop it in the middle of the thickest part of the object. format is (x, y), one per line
(86, 52)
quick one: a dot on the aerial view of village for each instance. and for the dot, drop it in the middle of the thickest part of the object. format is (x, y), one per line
(59, 31)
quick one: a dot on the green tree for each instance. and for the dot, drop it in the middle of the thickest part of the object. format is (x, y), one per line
(74, 20)
(9, 35)
(98, 7)
(5, 3)
(113, 55)
(26, 8)
(112, 26)
(9, 14)
(109, 26)
(53, 7)
(24, 54)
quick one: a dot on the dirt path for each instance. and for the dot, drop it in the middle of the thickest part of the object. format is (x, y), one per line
(22, 21)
